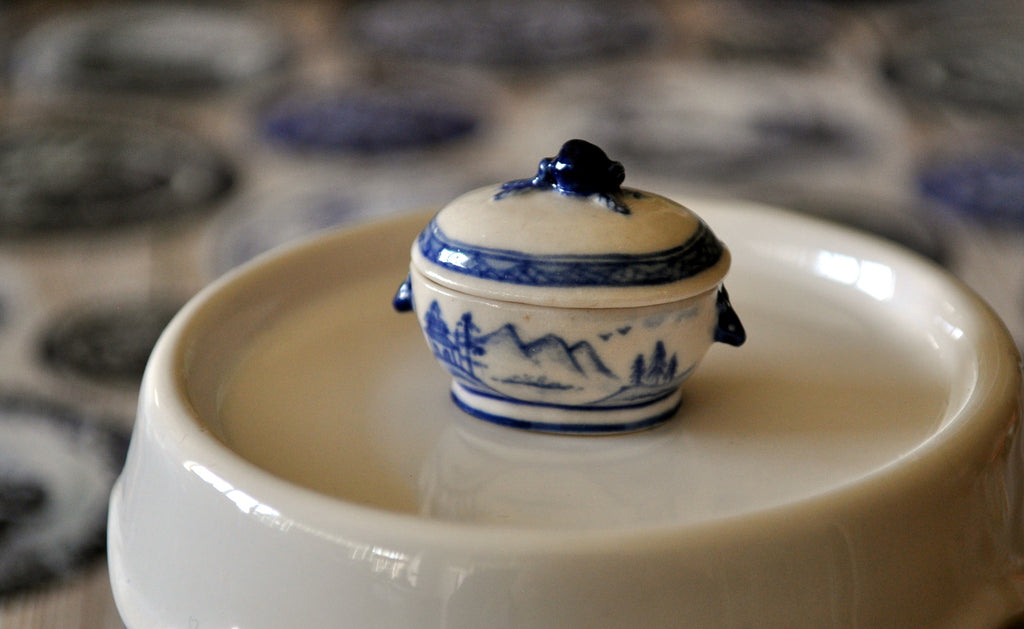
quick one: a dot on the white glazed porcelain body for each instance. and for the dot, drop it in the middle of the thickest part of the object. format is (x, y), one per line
(297, 462)
(567, 303)
(581, 370)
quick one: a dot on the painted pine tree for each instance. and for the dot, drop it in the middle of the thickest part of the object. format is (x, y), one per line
(636, 372)
(659, 370)
(465, 339)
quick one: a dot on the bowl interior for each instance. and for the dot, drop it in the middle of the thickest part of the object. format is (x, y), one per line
(861, 360)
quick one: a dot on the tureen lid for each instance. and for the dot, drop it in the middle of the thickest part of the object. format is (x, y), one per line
(572, 237)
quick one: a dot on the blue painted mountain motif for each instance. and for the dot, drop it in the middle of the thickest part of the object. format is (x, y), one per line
(548, 367)
(546, 363)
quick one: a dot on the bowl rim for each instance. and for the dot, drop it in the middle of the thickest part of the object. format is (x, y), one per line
(993, 404)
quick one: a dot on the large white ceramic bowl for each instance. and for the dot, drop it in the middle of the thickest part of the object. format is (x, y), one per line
(297, 461)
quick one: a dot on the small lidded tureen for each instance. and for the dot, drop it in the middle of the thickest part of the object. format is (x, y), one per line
(567, 303)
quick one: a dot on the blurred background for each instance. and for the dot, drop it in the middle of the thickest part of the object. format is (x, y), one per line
(148, 147)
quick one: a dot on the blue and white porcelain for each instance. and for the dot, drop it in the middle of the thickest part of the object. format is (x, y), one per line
(567, 303)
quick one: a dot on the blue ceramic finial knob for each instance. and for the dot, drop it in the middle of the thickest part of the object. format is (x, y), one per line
(580, 169)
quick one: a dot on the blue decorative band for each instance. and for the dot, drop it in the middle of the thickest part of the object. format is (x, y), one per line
(568, 428)
(699, 253)
(588, 408)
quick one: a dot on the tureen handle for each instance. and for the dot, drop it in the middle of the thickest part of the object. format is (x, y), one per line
(728, 329)
(403, 296)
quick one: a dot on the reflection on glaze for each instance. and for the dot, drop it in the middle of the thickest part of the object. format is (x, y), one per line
(486, 475)
(245, 503)
(905, 224)
(873, 278)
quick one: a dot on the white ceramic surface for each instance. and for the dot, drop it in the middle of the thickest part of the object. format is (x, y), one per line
(297, 462)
